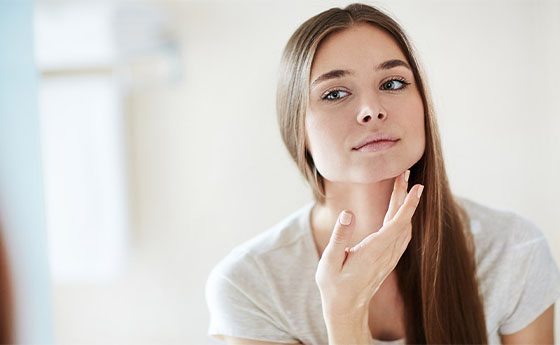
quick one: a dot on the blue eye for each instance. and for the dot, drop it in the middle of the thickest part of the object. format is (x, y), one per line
(395, 81)
(333, 95)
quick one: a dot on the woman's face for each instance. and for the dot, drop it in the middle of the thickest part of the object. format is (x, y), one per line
(344, 106)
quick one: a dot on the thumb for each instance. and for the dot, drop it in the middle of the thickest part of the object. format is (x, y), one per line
(340, 239)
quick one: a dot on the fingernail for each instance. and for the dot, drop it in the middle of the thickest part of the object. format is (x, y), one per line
(420, 189)
(345, 218)
(406, 175)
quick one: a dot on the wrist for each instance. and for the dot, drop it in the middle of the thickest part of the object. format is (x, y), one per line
(333, 313)
(351, 327)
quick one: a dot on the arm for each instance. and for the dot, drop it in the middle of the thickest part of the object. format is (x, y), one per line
(540, 331)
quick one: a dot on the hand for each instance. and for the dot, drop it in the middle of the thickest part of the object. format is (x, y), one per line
(349, 277)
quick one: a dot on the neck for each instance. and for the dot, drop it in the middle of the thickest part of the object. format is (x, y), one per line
(368, 202)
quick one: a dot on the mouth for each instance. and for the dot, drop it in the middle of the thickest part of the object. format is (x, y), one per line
(376, 137)
(377, 145)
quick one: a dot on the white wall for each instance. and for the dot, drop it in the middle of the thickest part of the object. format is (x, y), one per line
(209, 170)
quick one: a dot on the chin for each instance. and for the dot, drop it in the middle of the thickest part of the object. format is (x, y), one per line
(372, 176)
(366, 171)
(382, 169)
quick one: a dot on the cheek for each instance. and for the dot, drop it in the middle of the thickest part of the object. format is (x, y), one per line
(417, 125)
(410, 110)
(419, 118)
(325, 142)
(311, 131)
(409, 114)
(321, 133)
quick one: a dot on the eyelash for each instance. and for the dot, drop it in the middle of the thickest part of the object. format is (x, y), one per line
(401, 80)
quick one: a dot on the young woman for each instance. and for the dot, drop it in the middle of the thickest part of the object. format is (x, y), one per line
(370, 261)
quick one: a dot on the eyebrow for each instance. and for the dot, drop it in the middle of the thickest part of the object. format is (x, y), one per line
(339, 73)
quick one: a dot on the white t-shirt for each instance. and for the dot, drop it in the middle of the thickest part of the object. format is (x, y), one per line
(265, 289)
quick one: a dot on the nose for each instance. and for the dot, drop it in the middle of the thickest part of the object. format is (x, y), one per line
(370, 111)
(366, 117)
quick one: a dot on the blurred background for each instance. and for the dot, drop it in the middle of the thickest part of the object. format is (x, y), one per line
(139, 145)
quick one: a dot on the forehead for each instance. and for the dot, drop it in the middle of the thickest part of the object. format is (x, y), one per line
(362, 46)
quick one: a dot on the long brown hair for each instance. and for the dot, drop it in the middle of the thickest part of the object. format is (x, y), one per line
(437, 272)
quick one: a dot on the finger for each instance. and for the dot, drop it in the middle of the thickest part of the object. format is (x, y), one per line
(398, 195)
(406, 211)
(402, 243)
(341, 236)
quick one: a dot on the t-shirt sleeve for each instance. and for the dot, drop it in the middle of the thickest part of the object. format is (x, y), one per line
(535, 280)
(238, 303)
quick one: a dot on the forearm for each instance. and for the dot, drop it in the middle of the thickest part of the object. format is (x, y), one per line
(348, 329)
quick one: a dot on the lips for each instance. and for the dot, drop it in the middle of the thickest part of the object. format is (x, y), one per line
(379, 137)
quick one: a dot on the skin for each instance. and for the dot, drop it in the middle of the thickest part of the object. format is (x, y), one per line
(361, 182)
(369, 186)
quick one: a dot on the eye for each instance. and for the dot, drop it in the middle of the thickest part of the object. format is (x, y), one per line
(334, 95)
(394, 83)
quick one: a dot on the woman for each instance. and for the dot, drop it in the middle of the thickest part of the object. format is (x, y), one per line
(369, 262)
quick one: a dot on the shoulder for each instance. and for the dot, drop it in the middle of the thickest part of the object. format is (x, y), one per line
(248, 259)
(517, 272)
(505, 241)
(282, 234)
(491, 223)
(245, 290)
